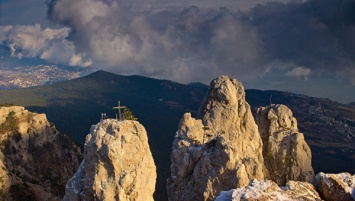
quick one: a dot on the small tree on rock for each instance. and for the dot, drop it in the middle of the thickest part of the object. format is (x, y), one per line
(128, 115)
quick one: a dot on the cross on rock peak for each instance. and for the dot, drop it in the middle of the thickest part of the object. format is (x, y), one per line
(119, 107)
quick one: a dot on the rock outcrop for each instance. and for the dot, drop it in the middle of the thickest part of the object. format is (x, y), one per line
(36, 160)
(267, 190)
(220, 150)
(334, 187)
(286, 153)
(117, 165)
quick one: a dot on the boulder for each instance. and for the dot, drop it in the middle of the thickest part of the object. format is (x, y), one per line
(267, 190)
(334, 187)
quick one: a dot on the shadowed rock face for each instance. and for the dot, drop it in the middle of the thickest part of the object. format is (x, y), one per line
(220, 150)
(333, 187)
(286, 154)
(117, 165)
(36, 160)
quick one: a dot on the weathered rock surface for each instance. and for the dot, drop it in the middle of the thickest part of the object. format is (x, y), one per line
(269, 191)
(117, 165)
(36, 160)
(334, 187)
(220, 150)
(286, 153)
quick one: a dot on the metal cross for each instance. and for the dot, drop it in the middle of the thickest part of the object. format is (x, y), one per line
(103, 116)
(119, 107)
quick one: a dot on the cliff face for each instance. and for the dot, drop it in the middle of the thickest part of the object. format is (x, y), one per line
(222, 149)
(36, 160)
(286, 153)
(117, 165)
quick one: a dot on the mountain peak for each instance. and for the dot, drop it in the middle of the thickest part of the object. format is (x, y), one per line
(222, 148)
(117, 165)
(102, 73)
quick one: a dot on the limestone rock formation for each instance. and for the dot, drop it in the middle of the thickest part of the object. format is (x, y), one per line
(117, 165)
(220, 150)
(286, 153)
(267, 190)
(36, 160)
(334, 187)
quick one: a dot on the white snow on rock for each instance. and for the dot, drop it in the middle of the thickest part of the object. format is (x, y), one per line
(266, 190)
(333, 187)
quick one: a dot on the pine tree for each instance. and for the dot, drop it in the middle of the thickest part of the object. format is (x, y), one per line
(128, 115)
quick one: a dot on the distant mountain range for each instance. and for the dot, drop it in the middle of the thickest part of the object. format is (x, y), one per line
(73, 106)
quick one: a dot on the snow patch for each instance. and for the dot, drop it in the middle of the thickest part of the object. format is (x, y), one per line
(267, 190)
(255, 189)
(76, 183)
(349, 183)
(225, 195)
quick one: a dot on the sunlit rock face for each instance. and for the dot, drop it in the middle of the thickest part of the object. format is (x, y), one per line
(36, 160)
(117, 165)
(286, 153)
(219, 150)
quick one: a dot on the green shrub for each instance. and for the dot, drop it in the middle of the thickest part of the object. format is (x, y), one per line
(128, 115)
(10, 124)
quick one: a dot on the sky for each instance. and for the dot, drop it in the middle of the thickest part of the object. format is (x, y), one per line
(305, 47)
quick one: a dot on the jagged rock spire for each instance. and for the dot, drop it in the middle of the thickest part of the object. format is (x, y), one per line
(286, 153)
(117, 165)
(222, 149)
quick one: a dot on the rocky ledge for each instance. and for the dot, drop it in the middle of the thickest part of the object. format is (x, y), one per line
(328, 187)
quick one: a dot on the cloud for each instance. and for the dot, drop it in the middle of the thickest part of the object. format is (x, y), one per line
(49, 44)
(158, 5)
(299, 72)
(316, 33)
(194, 44)
(183, 46)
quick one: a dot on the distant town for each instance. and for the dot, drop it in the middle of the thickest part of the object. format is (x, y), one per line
(23, 77)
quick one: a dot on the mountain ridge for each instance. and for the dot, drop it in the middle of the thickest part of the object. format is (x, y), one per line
(77, 104)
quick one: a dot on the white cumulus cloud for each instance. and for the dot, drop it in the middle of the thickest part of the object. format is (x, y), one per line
(48, 44)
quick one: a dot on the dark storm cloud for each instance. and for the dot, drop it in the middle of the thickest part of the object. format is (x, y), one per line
(297, 39)
(318, 34)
